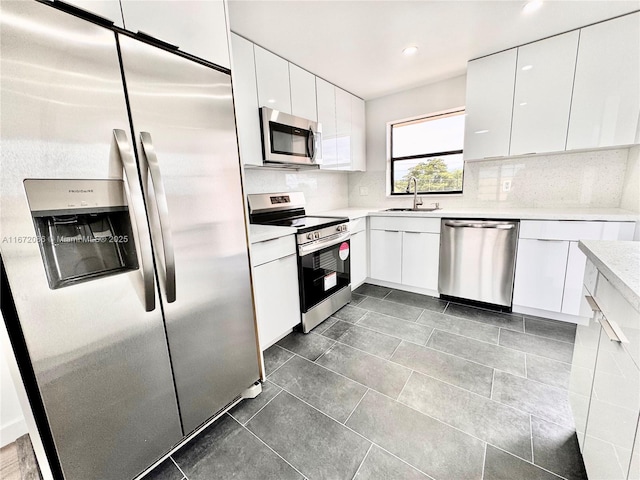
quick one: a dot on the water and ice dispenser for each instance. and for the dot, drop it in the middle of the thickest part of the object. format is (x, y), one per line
(83, 229)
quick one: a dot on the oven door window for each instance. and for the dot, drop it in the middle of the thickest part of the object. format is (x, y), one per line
(287, 140)
(323, 273)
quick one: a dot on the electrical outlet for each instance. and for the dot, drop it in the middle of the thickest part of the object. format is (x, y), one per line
(364, 191)
(506, 185)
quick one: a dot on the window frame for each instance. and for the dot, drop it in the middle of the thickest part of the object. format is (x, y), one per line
(392, 160)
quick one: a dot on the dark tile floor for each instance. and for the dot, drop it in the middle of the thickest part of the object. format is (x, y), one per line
(401, 386)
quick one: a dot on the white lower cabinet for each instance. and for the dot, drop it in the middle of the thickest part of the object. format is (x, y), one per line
(405, 251)
(540, 273)
(607, 349)
(386, 255)
(275, 288)
(420, 259)
(277, 298)
(550, 267)
(358, 228)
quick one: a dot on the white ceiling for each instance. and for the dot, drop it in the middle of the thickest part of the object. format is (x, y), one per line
(357, 44)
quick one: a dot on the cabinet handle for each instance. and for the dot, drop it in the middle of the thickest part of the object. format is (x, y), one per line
(548, 240)
(611, 328)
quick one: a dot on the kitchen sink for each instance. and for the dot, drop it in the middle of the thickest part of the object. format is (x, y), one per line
(412, 209)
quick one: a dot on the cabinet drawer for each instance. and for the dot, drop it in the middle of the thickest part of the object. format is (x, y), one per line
(269, 250)
(404, 224)
(358, 225)
(562, 230)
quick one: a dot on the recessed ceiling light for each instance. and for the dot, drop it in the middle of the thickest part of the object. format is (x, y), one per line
(527, 67)
(523, 104)
(271, 100)
(410, 50)
(532, 6)
(481, 131)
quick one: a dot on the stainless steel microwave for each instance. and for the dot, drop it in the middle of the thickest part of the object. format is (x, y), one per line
(289, 141)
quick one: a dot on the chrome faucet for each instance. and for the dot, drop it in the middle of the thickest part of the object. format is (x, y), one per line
(416, 201)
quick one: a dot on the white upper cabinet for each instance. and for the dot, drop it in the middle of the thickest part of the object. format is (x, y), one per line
(606, 96)
(272, 74)
(303, 93)
(326, 96)
(358, 140)
(109, 9)
(343, 129)
(245, 94)
(542, 99)
(198, 27)
(490, 85)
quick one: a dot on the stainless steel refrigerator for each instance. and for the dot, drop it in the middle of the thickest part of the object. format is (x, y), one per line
(123, 238)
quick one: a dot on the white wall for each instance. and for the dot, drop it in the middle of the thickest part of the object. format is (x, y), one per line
(585, 179)
(323, 190)
(12, 422)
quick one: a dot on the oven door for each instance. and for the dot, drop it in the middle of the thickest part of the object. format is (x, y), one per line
(287, 139)
(324, 268)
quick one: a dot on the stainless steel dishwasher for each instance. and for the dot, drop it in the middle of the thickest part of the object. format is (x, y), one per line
(477, 260)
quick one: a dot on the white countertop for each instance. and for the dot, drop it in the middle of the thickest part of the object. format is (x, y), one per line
(261, 233)
(619, 262)
(607, 214)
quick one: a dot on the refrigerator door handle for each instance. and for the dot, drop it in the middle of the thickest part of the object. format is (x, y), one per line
(163, 214)
(136, 204)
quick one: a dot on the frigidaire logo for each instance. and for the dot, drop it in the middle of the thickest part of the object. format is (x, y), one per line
(81, 191)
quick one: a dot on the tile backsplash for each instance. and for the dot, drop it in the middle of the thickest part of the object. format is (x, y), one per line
(581, 179)
(322, 190)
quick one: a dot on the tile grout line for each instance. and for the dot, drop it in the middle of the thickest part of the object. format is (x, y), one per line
(283, 363)
(527, 461)
(430, 335)
(178, 467)
(404, 386)
(357, 405)
(484, 460)
(259, 410)
(533, 458)
(266, 445)
(493, 381)
(362, 462)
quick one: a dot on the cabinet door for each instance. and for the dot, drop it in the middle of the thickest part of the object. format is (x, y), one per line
(343, 129)
(109, 9)
(606, 97)
(583, 365)
(272, 75)
(358, 140)
(540, 271)
(275, 286)
(386, 255)
(358, 259)
(490, 84)
(613, 414)
(544, 79)
(420, 259)
(198, 27)
(303, 93)
(572, 296)
(326, 95)
(245, 95)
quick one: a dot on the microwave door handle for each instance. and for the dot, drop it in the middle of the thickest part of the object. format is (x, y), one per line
(138, 218)
(311, 144)
(151, 159)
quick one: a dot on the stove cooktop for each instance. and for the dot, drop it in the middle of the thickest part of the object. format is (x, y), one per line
(308, 223)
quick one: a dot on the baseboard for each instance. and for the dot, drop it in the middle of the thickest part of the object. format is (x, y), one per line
(11, 431)
(406, 288)
(563, 317)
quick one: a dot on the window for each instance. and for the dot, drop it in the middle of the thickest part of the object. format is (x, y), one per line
(429, 149)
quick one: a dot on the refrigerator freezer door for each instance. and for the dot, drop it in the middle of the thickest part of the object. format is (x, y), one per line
(186, 111)
(101, 361)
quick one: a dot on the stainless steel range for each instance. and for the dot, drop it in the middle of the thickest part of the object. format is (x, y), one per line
(324, 270)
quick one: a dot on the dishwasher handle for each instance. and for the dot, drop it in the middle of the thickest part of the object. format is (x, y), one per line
(498, 225)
